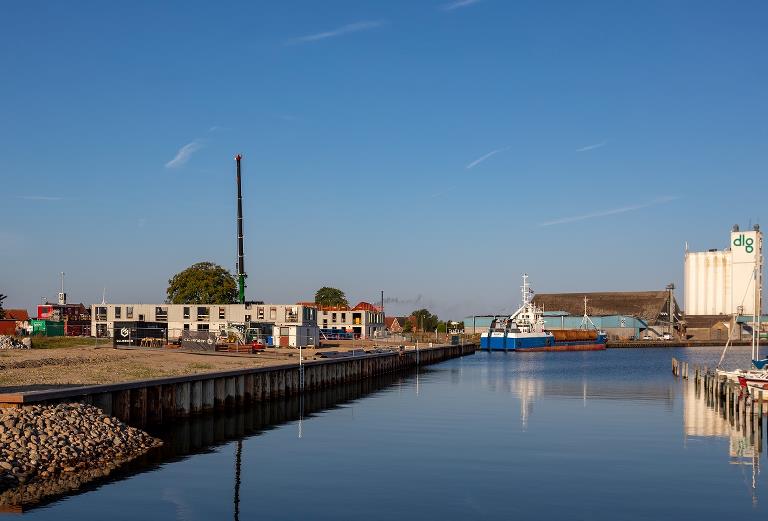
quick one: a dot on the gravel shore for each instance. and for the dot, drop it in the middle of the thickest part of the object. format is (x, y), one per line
(49, 443)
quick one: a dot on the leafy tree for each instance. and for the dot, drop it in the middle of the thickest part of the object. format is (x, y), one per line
(2, 311)
(425, 321)
(408, 326)
(331, 297)
(202, 283)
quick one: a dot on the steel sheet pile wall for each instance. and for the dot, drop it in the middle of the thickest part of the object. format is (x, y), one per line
(159, 400)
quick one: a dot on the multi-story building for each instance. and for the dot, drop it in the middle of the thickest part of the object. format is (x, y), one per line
(293, 325)
(726, 282)
(362, 321)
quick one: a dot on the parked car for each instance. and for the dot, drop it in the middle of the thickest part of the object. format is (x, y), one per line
(257, 345)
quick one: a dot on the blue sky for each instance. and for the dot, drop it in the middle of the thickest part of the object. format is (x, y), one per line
(435, 150)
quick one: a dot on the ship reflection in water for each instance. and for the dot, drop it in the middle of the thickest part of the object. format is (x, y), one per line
(704, 417)
(530, 379)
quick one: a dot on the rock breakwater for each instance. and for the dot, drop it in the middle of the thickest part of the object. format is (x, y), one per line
(41, 443)
(8, 342)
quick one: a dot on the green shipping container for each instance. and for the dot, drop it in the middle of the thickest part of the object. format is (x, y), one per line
(47, 328)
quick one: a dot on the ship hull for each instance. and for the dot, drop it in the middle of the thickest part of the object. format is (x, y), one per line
(538, 343)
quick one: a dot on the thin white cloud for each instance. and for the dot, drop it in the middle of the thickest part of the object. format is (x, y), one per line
(458, 4)
(184, 153)
(40, 198)
(217, 128)
(591, 147)
(613, 211)
(480, 159)
(346, 29)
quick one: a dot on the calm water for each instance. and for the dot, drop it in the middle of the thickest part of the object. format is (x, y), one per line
(600, 435)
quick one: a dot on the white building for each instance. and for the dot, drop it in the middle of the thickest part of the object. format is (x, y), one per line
(294, 325)
(363, 321)
(726, 282)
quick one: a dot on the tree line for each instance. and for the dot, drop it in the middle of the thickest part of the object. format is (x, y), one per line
(209, 283)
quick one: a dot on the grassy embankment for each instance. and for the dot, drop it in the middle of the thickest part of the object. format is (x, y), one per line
(55, 342)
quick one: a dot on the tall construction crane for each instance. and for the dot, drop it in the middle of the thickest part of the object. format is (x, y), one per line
(240, 255)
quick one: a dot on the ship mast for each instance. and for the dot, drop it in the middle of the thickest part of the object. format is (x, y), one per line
(586, 321)
(526, 289)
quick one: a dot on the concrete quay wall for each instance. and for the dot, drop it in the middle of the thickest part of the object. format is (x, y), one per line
(161, 400)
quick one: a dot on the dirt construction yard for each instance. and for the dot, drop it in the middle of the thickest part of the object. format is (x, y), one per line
(33, 369)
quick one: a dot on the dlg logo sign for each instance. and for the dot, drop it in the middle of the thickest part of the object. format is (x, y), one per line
(747, 242)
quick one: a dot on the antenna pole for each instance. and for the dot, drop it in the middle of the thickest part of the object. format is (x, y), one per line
(240, 255)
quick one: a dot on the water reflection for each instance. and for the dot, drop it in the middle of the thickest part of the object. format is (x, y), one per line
(533, 379)
(203, 434)
(705, 416)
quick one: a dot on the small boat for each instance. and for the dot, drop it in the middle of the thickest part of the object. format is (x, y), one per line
(757, 379)
(524, 331)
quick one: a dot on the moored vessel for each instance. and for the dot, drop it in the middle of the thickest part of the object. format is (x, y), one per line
(525, 330)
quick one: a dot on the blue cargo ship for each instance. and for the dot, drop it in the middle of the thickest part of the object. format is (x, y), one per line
(524, 331)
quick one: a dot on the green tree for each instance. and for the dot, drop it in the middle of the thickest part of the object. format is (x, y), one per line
(425, 321)
(202, 283)
(2, 311)
(408, 326)
(326, 296)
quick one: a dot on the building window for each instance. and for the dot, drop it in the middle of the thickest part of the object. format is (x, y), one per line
(186, 312)
(129, 312)
(117, 312)
(161, 314)
(260, 313)
(141, 317)
(325, 322)
(101, 313)
(272, 313)
(247, 318)
(333, 317)
(343, 317)
(291, 315)
(284, 331)
(202, 313)
(202, 327)
(222, 313)
(186, 327)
